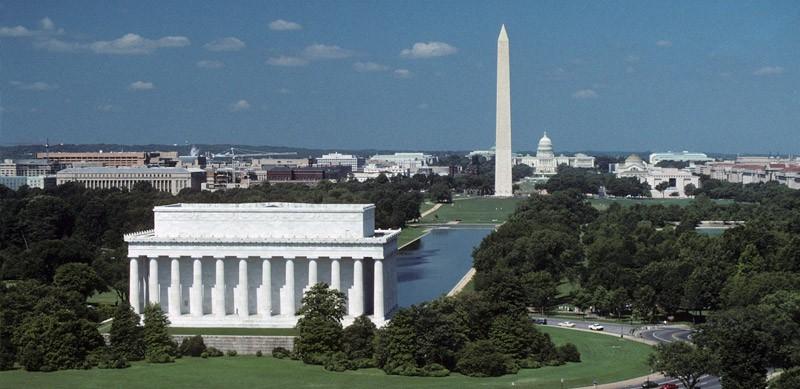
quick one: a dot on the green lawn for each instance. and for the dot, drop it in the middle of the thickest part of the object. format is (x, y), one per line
(605, 358)
(409, 234)
(426, 205)
(603, 204)
(475, 210)
(109, 298)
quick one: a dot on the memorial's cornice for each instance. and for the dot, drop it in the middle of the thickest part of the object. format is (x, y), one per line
(149, 237)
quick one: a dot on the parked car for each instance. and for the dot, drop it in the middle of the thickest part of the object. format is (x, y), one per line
(566, 324)
(669, 386)
(596, 327)
(540, 320)
(649, 384)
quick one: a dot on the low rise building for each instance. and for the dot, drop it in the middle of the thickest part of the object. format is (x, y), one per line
(682, 156)
(29, 167)
(16, 182)
(677, 179)
(171, 180)
(112, 158)
(337, 159)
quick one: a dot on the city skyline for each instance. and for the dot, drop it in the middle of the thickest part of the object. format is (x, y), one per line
(715, 77)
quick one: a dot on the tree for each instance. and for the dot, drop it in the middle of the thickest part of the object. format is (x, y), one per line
(661, 187)
(518, 337)
(690, 189)
(743, 346)
(789, 379)
(482, 358)
(541, 289)
(683, 361)
(357, 339)
(320, 327)
(78, 277)
(126, 335)
(159, 347)
(440, 193)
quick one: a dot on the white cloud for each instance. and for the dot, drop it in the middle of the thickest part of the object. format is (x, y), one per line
(369, 67)
(47, 24)
(127, 44)
(768, 71)
(286, 61)
(38, 86)
(141, 85)
(241, 105)
(210, 64)
(284, 25)
(16, 32)
(585, 94)
(402, 73)
(428, 50)
(664, 43)
(319, 51)
(225, 44)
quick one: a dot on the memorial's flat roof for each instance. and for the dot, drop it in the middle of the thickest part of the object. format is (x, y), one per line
(263, 207)
(148, 236)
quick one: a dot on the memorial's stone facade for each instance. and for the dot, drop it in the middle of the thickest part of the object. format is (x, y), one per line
(247, 265)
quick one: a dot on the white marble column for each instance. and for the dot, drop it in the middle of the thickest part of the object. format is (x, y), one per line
(356, 295)
(242, 303)
(175, 288)
(196, 294)
(133, 293)
(153, 293)
(218, 293)
(336, 280)
(265, 290)
(377, 300)
(287, 291)
(312, 272)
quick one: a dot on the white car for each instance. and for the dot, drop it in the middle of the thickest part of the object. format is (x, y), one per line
(596, 327)
(566, 324)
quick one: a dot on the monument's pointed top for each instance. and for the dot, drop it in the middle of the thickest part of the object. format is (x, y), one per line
(503, 36)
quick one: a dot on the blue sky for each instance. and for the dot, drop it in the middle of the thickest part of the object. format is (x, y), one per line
(716, 76)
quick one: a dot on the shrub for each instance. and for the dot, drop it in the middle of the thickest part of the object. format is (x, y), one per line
(204, 354)
(193, 346)
(357, 338)
(258, 353)
(482, 358)
(231, 353)
(159, 347)
(435, 370)
(32, 357)
(529, 363)
(568, 353)
(108, 358)
(362, 363)
(336, 362)
(213, 352)
(126, 335)
(281, 353)
(554, 362)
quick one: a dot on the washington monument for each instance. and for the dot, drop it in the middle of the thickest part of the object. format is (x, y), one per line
(502, 156)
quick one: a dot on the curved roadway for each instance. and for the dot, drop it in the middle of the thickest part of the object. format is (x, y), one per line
(653, 333)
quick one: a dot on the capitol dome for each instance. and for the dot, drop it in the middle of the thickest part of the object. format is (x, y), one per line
(634, 160)
(545, 148)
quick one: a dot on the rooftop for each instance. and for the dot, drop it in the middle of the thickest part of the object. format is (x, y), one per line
(138, 169)
(263, 207)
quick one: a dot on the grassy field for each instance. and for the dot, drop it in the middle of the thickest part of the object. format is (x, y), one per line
(409, 234)
(603, 204)
(110, 298)
(474, 210)
(605, 358)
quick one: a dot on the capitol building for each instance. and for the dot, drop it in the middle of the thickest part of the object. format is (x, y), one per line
(545, 163)
(248, 265)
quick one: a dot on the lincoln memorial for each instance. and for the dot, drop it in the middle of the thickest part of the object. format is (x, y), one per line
(248, 265)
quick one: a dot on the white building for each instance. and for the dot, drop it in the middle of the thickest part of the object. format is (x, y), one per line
(677, 179)
(165, 179)
(16, 182)
(546, 163)
(683, 156)
(336, 159)
(247, 265)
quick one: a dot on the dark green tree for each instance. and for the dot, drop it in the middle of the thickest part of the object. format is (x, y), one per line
(126, 335)
(319, 328)
(483, 358)
(683, 361)
(358, 338)
(440, 193)
(78, 277)
(159, 346)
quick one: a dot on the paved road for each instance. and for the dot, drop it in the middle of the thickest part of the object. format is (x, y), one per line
(660, 334)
